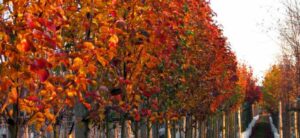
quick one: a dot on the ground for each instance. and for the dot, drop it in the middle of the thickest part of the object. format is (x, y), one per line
(262, 128)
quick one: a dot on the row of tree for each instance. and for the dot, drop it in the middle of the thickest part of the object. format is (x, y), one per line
(104, 61)
(282, 81)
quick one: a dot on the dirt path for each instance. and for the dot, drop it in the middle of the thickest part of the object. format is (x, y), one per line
(262, 128)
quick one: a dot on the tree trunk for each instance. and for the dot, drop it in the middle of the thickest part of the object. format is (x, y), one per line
(204, 129)
(116, 130)
(81, 127)
(296, 124)
(149, 129)
(13, 123)
(123, 129)
(136, 130)
(239, 123)
(188, 127)
(196, 130)
(168, 129)
(155, 130)
(184, 126)
(280, 120)
(224, 125)
(129, 132)
(12, 131)
(173, 129)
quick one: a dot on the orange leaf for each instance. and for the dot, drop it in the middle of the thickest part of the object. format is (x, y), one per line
(88, 45)
(13, 95)
(102, 60)
(87, 105)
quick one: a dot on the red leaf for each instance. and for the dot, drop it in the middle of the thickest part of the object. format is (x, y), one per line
(43, 74)
(51, 26)
(72, 8)
(29, 22)
(137, 117)
(117, 97)
(147, 94)
(41, 21)
(40, 107)
(145, 112)
(155, 89)
(113, 13)
(40, 64)
(33, 98)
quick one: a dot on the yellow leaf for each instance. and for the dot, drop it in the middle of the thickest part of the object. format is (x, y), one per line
(137, 98)
(43, 92)
(114, 39)
(77, 62)
(121, 103)
(101, 116)
(71, 93)
(20, 15)
(82, 71)
(38, 126)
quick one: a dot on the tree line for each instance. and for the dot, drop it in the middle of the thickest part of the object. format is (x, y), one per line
(106, 63)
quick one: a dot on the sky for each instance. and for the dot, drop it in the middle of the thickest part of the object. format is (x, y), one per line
(250, 27)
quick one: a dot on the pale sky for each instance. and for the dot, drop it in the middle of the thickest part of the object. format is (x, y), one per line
(250, 26)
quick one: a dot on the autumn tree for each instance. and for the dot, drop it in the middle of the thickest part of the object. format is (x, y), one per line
(105, 62)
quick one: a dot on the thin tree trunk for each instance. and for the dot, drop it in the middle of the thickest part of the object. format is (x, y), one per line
(280, 120)
(13, 123)
(149, 129)
(196, 130)
(199, 129)
(296, 124)
(215, 127)
(81, 127)
(239, 123)
(203, 129)
(188, 127)
(128, 129)
(108, 129)
(184, 126)
(224, 125)
(173, 129)
(116, 130)
(167, 129)
(155, 130)
(26, 132)
(123, 129)
(56, 131)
